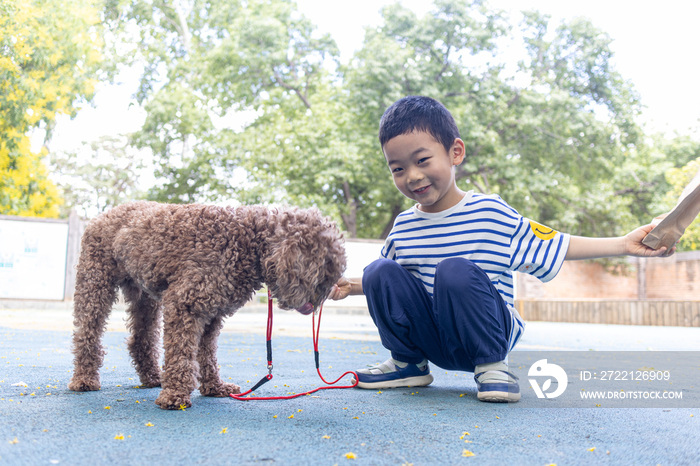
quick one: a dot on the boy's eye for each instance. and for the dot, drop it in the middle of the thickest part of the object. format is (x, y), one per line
(396, 169)
(423, 160)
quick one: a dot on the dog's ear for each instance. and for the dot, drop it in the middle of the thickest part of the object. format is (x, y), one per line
(333, 250)
(290, 269)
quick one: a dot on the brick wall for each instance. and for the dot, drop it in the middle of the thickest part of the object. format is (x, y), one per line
(672, 278)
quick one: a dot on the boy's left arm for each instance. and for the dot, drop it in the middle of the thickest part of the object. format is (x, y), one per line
(629, 245)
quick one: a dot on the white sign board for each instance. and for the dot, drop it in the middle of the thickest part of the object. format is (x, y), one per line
(32, 259)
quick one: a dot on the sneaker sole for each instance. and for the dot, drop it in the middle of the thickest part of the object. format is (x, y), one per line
(419, 381)
(498, 397)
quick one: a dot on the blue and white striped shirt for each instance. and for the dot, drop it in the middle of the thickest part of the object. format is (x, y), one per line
(485, 230)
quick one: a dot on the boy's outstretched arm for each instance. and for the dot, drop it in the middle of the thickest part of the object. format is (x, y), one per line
(629, 245)
(346, 287)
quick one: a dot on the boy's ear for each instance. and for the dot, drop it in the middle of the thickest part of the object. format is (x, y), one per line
(458, 151)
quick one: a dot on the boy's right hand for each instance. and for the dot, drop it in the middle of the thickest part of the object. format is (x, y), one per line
(341, 289)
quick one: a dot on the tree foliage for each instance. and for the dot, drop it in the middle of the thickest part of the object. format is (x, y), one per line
(106, 176)
(247, 101)
(49, 51)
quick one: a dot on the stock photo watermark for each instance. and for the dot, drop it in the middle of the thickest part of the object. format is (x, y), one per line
(607, 379)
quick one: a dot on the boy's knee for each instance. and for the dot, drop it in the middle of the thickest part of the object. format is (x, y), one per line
(457, 273)
(381, 270)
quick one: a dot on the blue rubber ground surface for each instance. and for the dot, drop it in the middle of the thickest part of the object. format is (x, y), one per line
(45, 423)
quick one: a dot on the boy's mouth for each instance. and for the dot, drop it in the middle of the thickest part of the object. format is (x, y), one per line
(422, 190)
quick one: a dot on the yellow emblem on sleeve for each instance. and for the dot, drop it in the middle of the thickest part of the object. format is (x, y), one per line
(542, 232)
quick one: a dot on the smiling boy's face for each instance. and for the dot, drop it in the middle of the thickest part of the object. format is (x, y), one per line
(424, 171)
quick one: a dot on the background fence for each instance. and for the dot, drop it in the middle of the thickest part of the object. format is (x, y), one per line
(601, 311)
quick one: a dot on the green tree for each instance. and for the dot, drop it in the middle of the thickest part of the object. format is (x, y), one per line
(205, 61)
(311, 141)
(49, 52)
(558, 139)
(105, 174)
(549, 141)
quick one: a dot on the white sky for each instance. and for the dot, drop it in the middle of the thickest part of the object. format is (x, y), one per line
(654, 44)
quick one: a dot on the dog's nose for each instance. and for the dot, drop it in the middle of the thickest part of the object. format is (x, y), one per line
(306, 309)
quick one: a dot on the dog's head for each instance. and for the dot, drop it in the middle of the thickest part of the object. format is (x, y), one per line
(306, 257)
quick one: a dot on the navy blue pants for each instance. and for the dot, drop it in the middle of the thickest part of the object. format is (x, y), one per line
(465, 322)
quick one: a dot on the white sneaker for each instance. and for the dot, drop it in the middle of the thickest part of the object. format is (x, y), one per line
(495, 384)
(394, 374)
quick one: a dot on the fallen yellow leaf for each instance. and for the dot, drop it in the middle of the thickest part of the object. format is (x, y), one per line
(350, 455)
(467, 453)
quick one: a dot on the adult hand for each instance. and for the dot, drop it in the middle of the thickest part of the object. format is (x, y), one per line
(635, 247)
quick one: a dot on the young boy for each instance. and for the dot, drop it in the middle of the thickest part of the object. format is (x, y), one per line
(443, 289)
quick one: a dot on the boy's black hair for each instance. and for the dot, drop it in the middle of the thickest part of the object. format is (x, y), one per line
(418, 113)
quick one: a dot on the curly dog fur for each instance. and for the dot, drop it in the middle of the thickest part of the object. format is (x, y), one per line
(192, 266)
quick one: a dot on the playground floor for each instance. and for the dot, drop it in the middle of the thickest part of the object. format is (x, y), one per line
(42, 422)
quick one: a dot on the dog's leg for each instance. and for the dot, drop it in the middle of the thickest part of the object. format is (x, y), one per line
(144, 325)
(95, 292)
(212, 385)
(182, 332)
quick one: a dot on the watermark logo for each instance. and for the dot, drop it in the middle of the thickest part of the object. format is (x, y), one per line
(607, 379)
(541, 369)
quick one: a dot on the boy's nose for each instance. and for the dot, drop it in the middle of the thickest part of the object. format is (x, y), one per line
(414, 176)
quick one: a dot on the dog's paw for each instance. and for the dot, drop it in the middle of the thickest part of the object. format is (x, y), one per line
(220, 389)
(171, 400)
(81, 384)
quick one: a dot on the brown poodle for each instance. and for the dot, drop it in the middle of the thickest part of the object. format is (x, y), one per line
(196, 265)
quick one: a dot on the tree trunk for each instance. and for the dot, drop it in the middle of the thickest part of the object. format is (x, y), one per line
(350, 219)
(395, 211)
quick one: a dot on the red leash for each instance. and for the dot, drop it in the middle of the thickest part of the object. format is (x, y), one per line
(315, 330)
